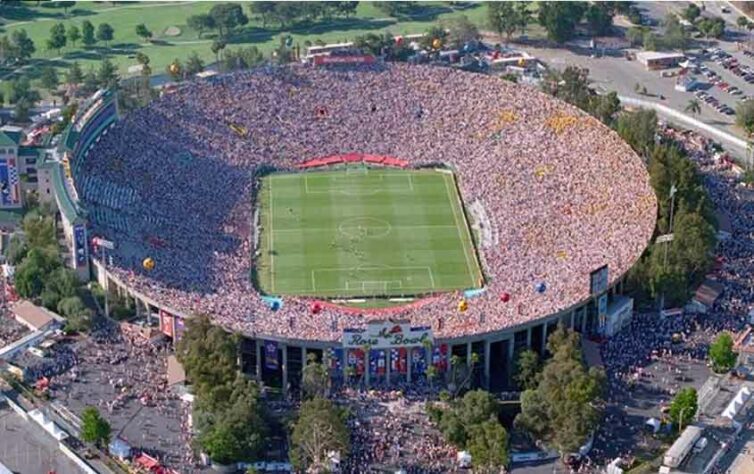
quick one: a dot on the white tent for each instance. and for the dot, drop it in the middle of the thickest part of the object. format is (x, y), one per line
(654, 423)
(464, 459)
(738, 401)
(48, 425)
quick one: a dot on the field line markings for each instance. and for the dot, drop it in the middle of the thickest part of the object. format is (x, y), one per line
(411, 182)
(458, 226)
(314, 282)
(272, 240)
(431, 277)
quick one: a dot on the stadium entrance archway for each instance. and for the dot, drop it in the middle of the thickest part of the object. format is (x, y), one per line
(499, 365)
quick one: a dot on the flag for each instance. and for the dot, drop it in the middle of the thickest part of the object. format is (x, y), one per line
(13, 181)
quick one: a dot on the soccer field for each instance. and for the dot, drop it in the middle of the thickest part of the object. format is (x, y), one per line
(359, 232)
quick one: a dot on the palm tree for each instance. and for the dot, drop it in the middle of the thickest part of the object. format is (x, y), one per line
(693, 107)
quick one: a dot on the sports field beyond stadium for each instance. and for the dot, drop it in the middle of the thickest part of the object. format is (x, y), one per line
(359, 232)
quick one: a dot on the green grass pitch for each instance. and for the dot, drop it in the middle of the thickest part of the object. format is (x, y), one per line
(360, 232)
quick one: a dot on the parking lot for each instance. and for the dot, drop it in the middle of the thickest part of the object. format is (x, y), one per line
(26, 449)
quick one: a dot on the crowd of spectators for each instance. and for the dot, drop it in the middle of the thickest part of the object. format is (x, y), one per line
(125, 378)
(10, 329)
(390, 430)
(545, 173)
(666, 341)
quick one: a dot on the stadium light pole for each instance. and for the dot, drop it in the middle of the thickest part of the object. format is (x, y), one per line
(673, 190)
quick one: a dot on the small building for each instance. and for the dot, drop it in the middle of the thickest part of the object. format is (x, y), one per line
(682, 446)
(706, 295)
(686, 83)
(654, 60)
(34, 317)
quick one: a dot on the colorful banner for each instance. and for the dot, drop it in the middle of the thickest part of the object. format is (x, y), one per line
(271, 355)
(440, 357)
(79, 244)
(418, 361)
(356, 360)
(324, 60)
(386, 335)
(180, 327)
(166, 323)
(377, 363)
(399, 360)
(336, 361)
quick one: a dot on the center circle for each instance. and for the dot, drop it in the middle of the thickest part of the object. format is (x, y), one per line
(364, 227)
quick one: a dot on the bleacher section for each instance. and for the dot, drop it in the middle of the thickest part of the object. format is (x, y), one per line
(100, 191)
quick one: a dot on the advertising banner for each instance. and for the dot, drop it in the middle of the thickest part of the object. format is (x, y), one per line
(399, 360)
(79, 244)
(440, 357)
(377, 362)
(166, 323)
(418, 361)
(336, 358)
(271, 355)
(598, 281)
(356, 360)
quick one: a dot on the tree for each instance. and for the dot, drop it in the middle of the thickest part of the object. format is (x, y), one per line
(16, 250)
(675, 37)
(461, 31)
(194, 64)
(74, 34)
(94, 428)
(564, 409)
(527, 369)
(463, 415)
(208, 355)
(217, 47)
(560, 19)
(721, 353)
(23, 46)
(599, 18)
(638, 129)
(57, 37)
(242, 58)
(691, 13)
(22, 109)
(524, 16)
(65, 5)
(693, 107)
(142, 32)
(105, 33)
(236, 428)
(87, 33)
(107, 74)
(503, 18)
(48, 78)
(319, 430)
(383, 44)
(203, 22)
(488, 446)
(315, 379)
(264, 10)
(745, 115)
(683, 407)
(711, 27)
(78, 316)
(90, 84)
(227, 16)
(742, 22)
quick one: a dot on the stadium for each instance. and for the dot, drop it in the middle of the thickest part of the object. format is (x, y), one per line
(381, 217)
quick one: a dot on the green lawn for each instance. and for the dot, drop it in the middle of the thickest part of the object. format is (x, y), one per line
(158, 16)
(359, 232)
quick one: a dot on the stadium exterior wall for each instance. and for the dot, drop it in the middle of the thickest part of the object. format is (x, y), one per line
(581, 317)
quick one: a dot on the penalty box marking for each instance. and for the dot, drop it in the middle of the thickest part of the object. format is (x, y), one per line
(382, 268)
(364, 190)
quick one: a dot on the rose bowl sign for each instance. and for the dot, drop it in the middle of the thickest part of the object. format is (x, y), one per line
(386, 335)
